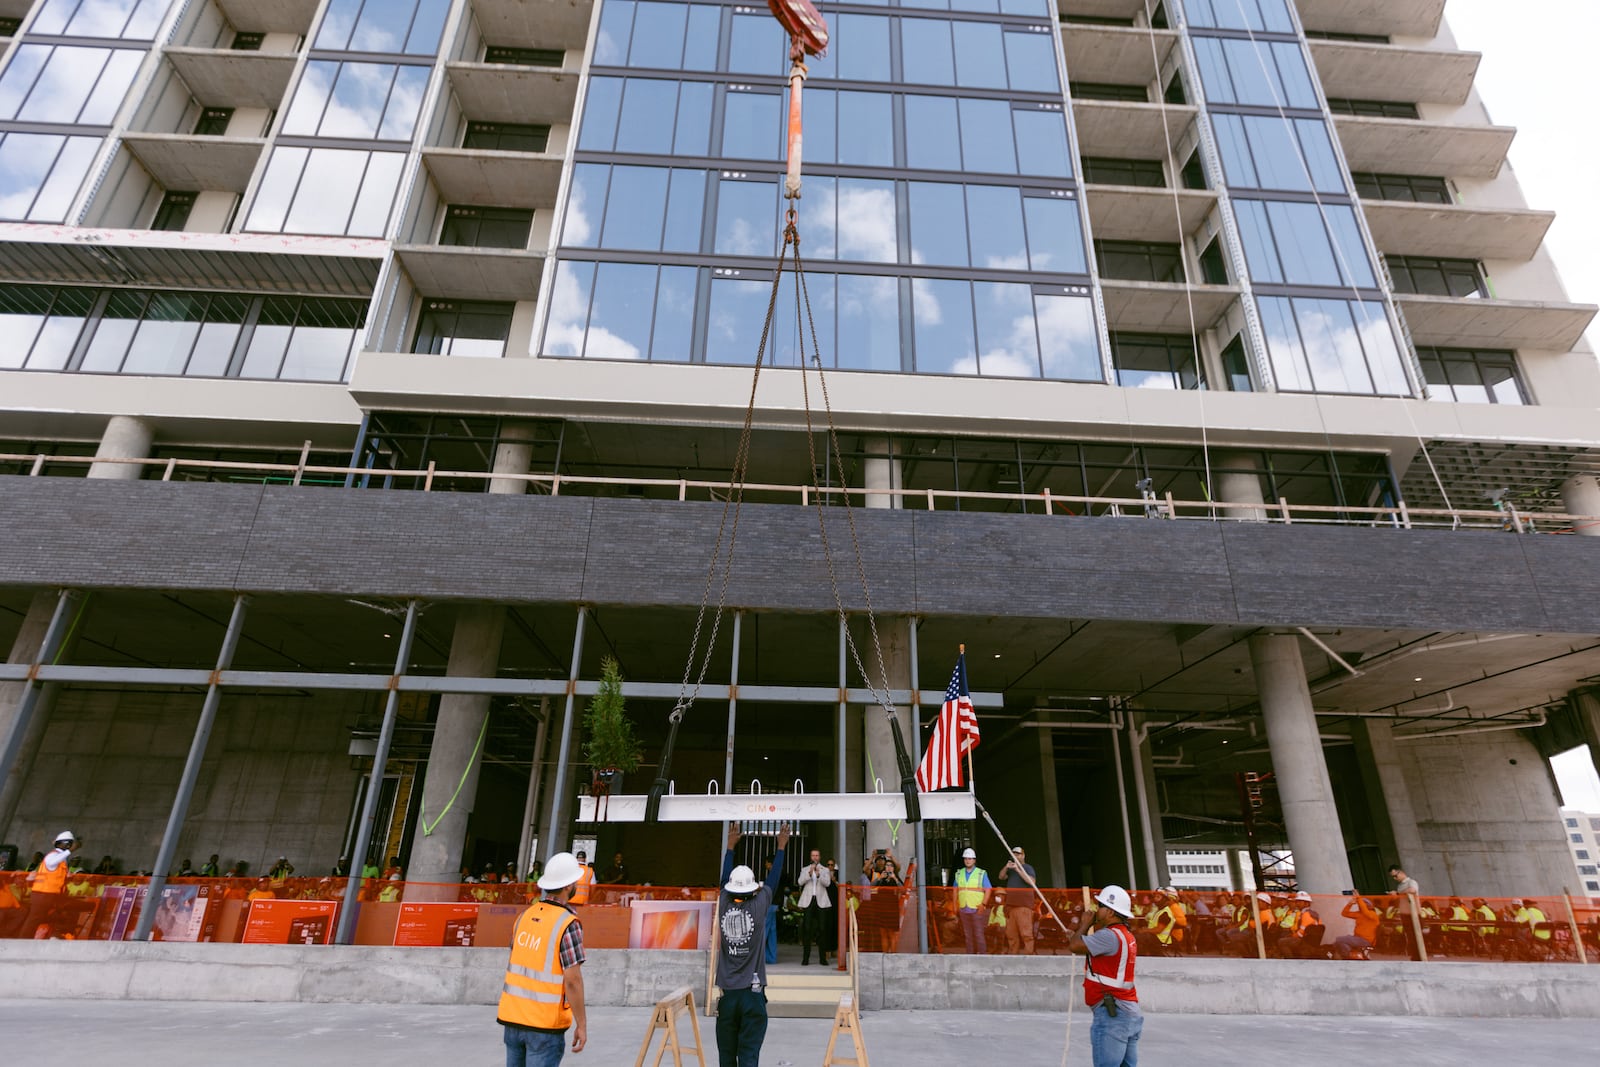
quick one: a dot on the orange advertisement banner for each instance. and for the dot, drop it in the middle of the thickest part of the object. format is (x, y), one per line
(291, 922)
(434, 925)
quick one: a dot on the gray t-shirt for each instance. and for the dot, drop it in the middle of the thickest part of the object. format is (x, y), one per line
(1014, 879)
(741, 952)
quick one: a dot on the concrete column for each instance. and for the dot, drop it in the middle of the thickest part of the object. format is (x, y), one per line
(1580, 495)
(895, 634)
(1149, 800)
(451, 786)
(1236, 881)
(24, 649)
(513, 455)
(1586, 702)
(1241, 486)
(1394, 817)
(1304, 789)
(125, 437)
(879, 471)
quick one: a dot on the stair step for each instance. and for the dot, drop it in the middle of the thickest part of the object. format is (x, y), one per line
(836, 982)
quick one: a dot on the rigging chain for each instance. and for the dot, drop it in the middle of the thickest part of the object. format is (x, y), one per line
(687, 696)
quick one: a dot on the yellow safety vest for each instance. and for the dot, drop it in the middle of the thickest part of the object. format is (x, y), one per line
(1487, 914)
(534, 992)
(969, 887)
(1156, 917)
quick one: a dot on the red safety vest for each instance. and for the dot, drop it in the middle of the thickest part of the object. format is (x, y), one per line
(1112, 973)
(534, 993)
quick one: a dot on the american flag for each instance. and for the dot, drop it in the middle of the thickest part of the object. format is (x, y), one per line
(954, 735)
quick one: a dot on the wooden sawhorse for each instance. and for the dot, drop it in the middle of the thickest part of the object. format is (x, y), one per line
(678, 1002)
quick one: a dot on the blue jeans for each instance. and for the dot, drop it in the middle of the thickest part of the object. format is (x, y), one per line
(1115, 1042)
(772, 934)
(741, 1027)
(533, 1048)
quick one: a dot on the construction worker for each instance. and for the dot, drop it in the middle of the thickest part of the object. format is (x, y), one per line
(1108, 986)
(973, 893)
(1020, 925)
(994, 931)
(742, 915)
(281, 870)
(1530, 938)
(580, 891)
(1160, 923)
(49, 886)
(1456, 936)
(1292, 926)
(1242, 938)
(212, 867)
(542, 997)
(1482, 913)
(1357, 945)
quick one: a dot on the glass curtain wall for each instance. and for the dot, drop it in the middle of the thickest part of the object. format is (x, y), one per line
(941, 221)
(337, 163)
(61, 89)
(1316, 286)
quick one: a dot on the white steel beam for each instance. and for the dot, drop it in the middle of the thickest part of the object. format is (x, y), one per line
(776, 807)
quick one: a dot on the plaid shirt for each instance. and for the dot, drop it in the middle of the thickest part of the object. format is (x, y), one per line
(571, 949)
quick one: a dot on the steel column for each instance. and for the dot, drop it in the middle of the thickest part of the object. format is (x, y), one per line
(1135, 743)
(191, 774)
(733, 715)
(842, 785)
(564, 743)
(55, 636)
(922, 832)
(530, 810)
(1122, 798)
(380, 761)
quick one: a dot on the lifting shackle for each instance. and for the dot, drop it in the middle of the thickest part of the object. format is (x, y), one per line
(808, 35)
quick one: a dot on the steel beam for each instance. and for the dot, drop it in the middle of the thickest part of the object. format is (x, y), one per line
(922, 831)
(191, 774)
(380, 760)
(55, 636)
(564, 745)
(779, 807)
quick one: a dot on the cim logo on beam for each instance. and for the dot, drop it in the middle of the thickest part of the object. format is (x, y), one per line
(760, 809)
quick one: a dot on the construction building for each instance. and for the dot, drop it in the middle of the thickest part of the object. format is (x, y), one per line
(1199, 366)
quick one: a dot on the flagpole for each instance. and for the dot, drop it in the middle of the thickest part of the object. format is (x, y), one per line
(922, 837)
(972, 779)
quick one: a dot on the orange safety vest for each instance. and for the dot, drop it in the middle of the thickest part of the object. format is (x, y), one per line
(534, 994)
(1112, 973)
(48, 881)
(580, 891)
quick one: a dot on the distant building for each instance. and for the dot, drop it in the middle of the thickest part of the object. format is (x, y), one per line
(1583, 838)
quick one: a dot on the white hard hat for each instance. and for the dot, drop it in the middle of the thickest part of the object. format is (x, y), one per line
(1263, 898)
(968, 854)
(560, 872)
(1116, 898)
(742, 880)
(65, 835)
(1303, 895)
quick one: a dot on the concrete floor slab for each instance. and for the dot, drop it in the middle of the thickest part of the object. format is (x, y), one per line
(179, 1034)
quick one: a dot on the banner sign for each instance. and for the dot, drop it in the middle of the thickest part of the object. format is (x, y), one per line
(437, 924)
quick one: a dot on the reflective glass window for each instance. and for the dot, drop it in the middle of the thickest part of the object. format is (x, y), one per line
(1262, 152)
(995, 228)
(586, 205)
(866, 224)
(1041, 136)
(941, 314)
(936, 239)
(986, 138)
(1069, 345)
(40, 174)
(692, 136)
(357, 101)
(1258, 73)
(1288, 243)
(324, 335)
(672, 335)
(326, 191)
(819, 217)
(926, 52)
(219, 334)
(649, 108)
(621, 312)
(114, 328)
(733, 327)
(658, 35)
(1008, 336)
(700, 44)
(23, 309)
(615, 34)
(1267, 16)
(1471, 376)
(600, 108)
(408, 27)
(58, 336)
(747, 218)
(370, 217)
(757, 45)
(1154, 361)
(868, 328)
(1055, 235)
(486, 227)
(569, 308)
(1031, 61)
(169, 329)
(980, 55)
(685, 208)
(130, 19)
(635, 208)
(864, 55)
(865, 129)
(929, 146)
(752, 125)
(1334, 346)
(67, 83)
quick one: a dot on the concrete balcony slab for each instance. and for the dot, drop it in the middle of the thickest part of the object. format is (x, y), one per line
(1449, 322)
(331, 266)
(1396, 18)
(1126, 213)
(270, 16)
(224, 78)
(494, 179)
(196, 163)
(1110, 128)
(494, 92)
(473, 273)
(1163, 307)
(1102, 9)
(1458, 231)
(1415, 75)
(1406, 146)
(1115, 54)
(527, 24)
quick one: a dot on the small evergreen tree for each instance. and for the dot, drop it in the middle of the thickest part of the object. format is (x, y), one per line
(611, 744)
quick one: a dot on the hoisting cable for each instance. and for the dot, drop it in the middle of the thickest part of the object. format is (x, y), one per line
(1072, 976)
(808, 34)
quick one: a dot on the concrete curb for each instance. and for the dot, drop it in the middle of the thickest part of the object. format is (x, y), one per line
(98, 970)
